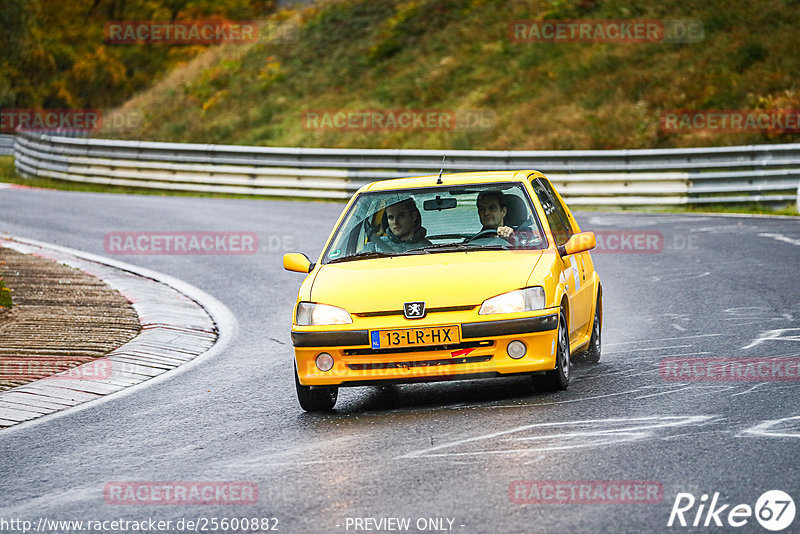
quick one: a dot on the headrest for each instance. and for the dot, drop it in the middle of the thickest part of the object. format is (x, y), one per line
(516, 212)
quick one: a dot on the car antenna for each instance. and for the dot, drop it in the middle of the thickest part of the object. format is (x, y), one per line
(439, 181)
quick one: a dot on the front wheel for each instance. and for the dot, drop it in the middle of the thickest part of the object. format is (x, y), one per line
(319, 399)
(558, 378)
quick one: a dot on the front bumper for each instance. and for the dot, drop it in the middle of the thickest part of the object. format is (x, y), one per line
(481, 353)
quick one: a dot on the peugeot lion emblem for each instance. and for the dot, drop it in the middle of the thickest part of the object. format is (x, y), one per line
(414, 310)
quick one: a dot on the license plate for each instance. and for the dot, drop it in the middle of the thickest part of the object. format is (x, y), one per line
(413, 337)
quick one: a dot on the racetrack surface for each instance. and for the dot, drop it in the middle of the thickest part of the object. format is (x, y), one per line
(719, 287)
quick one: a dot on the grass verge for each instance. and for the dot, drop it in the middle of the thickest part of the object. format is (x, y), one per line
(5, 295)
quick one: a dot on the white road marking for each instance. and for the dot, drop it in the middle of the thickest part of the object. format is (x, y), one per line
(658, 339)
(595, 443)
(662, 393)
(774, 335)
(748, 312)
(307, 462)
(582, 399)
(678, 277)
(605, 431)
(714, 388)
(738, 228)
(754, 315)
(648, 349)
(686, 354)
(565, 401)
(628, 374)
(768, 429)
(628, 221)
(781, 237)
(749, 390)
(693, 435)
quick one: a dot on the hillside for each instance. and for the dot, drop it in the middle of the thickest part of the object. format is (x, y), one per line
(54, 54)
(456, 59)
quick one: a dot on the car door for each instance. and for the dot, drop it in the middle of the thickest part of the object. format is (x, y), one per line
(573, 265)
(585, 295)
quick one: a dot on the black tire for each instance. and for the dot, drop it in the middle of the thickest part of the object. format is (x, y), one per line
(558, 378)
(592, 354)
(318, 399)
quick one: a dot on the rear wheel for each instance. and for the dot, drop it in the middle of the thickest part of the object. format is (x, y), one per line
(592, 354)
(318, 399)
(558, 378)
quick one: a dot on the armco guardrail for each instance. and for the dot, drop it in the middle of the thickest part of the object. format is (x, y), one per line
(6, 145)
(765, 173)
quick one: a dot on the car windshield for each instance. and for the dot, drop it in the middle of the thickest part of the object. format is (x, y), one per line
(435, 220)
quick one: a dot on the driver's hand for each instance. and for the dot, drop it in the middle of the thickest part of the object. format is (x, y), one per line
(505, 232)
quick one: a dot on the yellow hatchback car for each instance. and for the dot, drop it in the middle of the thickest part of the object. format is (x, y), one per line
(450, 277)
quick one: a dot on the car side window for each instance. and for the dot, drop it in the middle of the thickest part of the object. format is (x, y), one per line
(553, 210)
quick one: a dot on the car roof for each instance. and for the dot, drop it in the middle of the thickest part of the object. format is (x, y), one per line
(459, 178)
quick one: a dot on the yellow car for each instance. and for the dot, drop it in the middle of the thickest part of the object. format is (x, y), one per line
(449, 277)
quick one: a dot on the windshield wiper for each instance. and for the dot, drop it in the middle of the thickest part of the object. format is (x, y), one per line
(362, 256)
(456, 247)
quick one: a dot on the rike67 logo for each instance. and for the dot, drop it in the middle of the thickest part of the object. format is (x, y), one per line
(774, 510)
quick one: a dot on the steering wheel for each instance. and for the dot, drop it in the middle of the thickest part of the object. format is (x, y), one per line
(370, 230)
(483, 234)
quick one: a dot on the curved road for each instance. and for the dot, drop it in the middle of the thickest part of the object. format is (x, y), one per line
(446, 456)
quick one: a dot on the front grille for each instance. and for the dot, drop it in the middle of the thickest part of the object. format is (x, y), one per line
(423, 363)
(429, 348)
(387, 313)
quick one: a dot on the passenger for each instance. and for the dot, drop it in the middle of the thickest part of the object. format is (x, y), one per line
(404, 229)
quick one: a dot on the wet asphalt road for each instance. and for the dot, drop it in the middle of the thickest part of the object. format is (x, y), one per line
(720, 287)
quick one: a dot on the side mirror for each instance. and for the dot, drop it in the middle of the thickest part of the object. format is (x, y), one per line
(578, 243)
(296, 262)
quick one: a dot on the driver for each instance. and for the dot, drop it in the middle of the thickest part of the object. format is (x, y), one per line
(404, 229)
(492, 210)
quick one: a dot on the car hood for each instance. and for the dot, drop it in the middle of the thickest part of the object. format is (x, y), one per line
(445, 279)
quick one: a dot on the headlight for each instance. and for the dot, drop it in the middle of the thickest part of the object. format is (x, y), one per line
(310, 314)
(521, 300)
